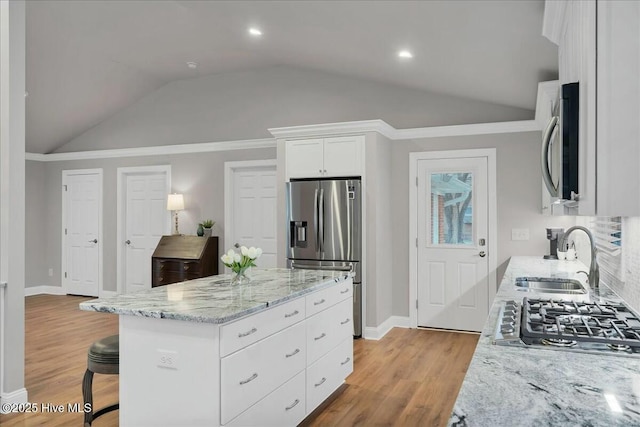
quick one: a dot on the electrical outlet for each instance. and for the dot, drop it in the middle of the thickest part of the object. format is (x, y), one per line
(51, 272)
(167, 359)
(519, 234)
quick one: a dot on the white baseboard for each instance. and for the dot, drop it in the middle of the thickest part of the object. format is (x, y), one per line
(37, 290)
(14, 397)
(377, 332)
(106, 294)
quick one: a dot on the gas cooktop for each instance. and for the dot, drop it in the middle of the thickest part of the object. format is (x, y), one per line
(609, 328)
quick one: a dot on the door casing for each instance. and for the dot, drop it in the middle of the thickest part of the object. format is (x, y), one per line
(492, 235)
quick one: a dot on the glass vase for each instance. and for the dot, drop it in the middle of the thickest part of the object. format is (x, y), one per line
(240, 277)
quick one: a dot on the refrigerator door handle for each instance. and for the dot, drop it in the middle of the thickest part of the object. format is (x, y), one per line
(315, 219)
(321, 231)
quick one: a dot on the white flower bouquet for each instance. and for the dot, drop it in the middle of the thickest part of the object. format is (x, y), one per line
(240, 262)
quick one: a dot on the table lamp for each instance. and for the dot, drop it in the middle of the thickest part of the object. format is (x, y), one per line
(175, 203)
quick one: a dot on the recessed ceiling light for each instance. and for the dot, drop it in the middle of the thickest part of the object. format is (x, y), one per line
(405, 54)
(255, 32)
(192, 65)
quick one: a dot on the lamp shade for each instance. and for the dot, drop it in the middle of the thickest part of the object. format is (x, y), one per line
(175, 202)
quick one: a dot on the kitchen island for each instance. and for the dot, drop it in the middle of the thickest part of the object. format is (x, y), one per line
(206, 353)
(518, 386)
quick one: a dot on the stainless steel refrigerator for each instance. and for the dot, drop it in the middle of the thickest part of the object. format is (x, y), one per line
(324, 232)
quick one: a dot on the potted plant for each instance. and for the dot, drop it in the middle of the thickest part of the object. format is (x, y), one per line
(206, 227)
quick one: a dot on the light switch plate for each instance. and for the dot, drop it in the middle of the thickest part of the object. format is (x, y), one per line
(519, 234)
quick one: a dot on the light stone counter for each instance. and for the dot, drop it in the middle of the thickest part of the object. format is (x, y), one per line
(213, 299)
(517, 386)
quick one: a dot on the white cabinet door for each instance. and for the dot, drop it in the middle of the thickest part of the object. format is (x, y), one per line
(305, 158)
(343, 156)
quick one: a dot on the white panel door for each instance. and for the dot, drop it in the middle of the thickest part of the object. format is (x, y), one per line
(82, 222)
(452, 243)
(146, 219)
(253, 211)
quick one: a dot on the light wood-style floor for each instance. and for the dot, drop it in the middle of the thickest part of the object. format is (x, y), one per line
(409, 378)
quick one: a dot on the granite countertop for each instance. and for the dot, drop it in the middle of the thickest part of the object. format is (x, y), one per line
(517, 386)
(213, 299)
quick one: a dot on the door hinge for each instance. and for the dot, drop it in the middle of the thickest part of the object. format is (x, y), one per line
(416, 181)
(416, 304)
(416, 242)
(65, 274)
(65, 187)
(65, 231)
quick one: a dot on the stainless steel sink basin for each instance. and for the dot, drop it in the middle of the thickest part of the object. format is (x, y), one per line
(550, 285)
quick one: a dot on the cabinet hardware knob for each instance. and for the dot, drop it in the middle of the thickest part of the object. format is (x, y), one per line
(320, 170)
(291, 314)
(160, 279)
(482, 254)
(345, 322)
(322, 301)
(346, 361)
(321, 382)
(296, 351)
(128, 242)
(320, 337)
(93, 241)
(344, 291)
(244, 334)
(292, 405)
(248, 380)
(186, 267)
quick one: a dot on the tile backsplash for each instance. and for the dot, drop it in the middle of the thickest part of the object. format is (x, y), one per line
(625, 280)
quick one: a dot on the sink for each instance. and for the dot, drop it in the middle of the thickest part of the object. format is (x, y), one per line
(550, 285)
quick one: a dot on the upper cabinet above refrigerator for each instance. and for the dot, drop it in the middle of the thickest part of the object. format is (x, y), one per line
(341, 156)
(598, 48)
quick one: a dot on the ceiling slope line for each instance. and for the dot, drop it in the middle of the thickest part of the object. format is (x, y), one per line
(293, 132)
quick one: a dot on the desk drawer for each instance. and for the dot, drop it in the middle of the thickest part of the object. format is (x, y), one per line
(250, 374)
(250, 329)
(325, 298)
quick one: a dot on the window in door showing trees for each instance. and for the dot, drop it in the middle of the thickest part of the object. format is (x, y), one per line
(452, 208)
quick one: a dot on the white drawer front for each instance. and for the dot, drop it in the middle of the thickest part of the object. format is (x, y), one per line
(250, 374)
(328, 328)
(321, 300)
(328, 373)
(246, 331)
(283, 407)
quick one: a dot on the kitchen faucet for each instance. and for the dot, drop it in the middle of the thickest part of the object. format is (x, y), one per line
(593, 277)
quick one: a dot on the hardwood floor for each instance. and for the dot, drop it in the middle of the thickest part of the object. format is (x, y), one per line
(409, 378)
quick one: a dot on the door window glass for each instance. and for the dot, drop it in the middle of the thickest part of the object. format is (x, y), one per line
(451, 208)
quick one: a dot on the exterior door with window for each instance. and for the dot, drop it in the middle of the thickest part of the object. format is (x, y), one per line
(452, 243)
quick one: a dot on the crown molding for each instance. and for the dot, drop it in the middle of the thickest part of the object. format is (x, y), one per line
(203, 147)
(293, 132)
(328, 129)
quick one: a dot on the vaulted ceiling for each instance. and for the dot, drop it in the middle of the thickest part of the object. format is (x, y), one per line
(88, 59)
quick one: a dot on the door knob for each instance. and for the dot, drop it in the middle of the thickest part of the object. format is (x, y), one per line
(128, 242)
(93, 241)
(482, 254)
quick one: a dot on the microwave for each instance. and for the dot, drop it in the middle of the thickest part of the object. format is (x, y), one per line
(560, 146)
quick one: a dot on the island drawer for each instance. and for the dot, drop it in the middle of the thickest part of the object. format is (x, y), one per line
(328, 328)
(250, 374)
(321, 300)
(328, 373)
(248, 330)
(285, 406)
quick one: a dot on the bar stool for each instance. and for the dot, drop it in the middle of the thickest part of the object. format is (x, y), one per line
(103, 358)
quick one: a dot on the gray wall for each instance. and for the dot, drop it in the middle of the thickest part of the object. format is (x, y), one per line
(200, 177)
(243, 105)
(519, 200)
(38, 222)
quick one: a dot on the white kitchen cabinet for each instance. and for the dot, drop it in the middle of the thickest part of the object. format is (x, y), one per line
(325, 157)
(598, 47)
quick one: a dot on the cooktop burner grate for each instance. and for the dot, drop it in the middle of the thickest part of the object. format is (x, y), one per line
(557, 322)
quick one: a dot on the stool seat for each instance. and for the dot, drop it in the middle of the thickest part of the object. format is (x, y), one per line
(103, 358)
